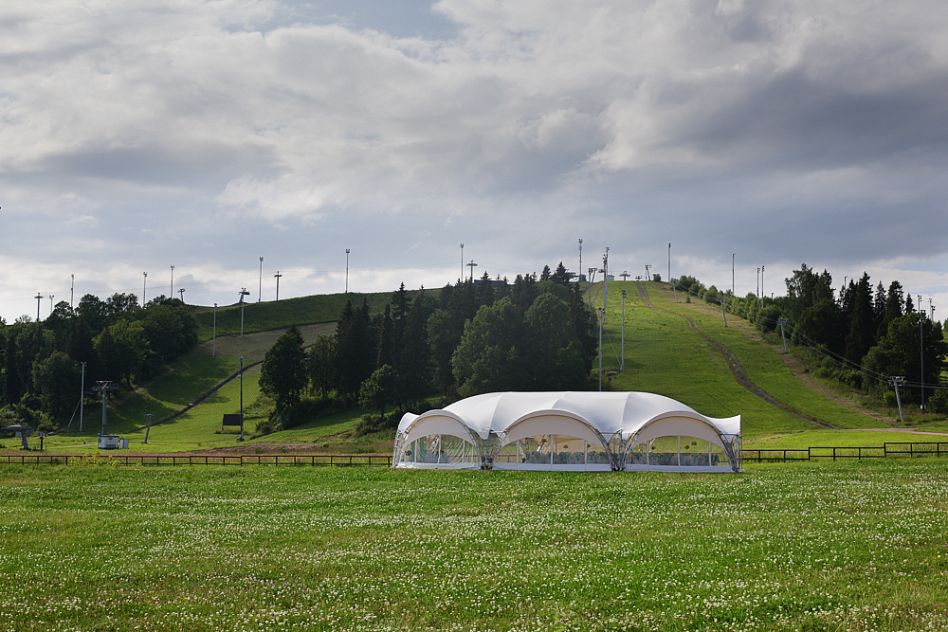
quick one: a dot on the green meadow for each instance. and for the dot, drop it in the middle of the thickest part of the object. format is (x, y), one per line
(814, 547)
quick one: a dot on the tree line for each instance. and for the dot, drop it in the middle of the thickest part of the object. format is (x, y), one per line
(116, 340)
(867, 333)
(468, 338)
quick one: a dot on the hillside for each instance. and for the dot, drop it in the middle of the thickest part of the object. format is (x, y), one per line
(681, 350)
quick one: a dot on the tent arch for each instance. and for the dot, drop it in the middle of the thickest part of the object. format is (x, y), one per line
(554, 422)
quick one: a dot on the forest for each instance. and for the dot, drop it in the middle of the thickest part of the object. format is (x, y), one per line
(115, 340)
(472, 337)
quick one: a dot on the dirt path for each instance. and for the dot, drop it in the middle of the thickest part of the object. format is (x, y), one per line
(735, 365)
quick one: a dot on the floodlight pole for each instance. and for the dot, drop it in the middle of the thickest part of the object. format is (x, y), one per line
(580, 258)
(39, 298)
(144, 281)
(260, 289)
(601, 311)
(171, 294)
(462, 263)
(277, 277)
(243, 293)
(72, 288)
(762, 268)
(758, 284)
(622, 362)
(51, 303)
(921, 338)
(214, 337)
(733, 254)
(347, 270)
(241, 438)
(592, 272)
(669, 261)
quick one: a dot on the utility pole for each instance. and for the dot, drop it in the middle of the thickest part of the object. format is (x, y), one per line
(72, 287)
(148, 416)
(82, 396)
(51, 303)
(782, 322)
(260, 289)
(171, 294)
(144, 282)
(669, 261)
(674, 283)
(733, 254)
(105, 386)
(38, 297)
(277, 277)
(462, 263)
(895, 381)
(347, 270)
(472, 265)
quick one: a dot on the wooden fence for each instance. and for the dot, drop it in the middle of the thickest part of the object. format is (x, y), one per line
(345, 460)
(885, 451)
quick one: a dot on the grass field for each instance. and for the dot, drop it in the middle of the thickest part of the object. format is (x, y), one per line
(845, 546)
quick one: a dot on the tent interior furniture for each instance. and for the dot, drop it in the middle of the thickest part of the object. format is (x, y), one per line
(571, 430)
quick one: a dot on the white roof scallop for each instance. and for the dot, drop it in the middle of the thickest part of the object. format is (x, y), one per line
(609, 413)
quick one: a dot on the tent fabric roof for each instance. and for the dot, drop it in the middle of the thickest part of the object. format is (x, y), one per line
(609, 413)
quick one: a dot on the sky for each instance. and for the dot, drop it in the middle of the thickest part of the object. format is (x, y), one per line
(356, 144)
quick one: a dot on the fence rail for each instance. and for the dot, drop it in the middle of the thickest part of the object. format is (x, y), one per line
(339, 460)
(885, 451)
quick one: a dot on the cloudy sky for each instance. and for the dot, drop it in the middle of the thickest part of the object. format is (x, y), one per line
(206, 134)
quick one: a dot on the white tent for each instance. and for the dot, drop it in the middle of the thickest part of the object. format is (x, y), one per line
(573, 430)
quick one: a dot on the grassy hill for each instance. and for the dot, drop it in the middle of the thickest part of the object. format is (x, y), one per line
(681, 350)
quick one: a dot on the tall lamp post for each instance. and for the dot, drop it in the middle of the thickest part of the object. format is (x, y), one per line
(243, 293)
(214, 337)
(622, 360)
(733, 254)
(260, 290)
(144, 281)
(171, 294)
(462, 263)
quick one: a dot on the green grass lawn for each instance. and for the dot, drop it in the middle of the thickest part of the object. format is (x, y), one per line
(830, 546)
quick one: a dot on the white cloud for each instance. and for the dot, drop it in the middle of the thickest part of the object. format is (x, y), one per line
(209, 128)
